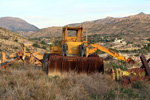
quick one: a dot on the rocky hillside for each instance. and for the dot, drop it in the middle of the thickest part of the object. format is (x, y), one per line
(16, 24)
(11, 42)
(136, 24)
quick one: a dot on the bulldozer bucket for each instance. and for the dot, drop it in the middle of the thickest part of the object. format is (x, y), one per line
(81, 65)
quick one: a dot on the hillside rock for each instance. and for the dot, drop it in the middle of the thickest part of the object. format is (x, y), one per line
(11, 42)
(16, 24)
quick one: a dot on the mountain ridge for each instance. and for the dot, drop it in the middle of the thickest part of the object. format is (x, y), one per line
(16, 24)
(134, 24)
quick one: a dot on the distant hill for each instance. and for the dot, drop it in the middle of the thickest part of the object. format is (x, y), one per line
(46, 32)
(135, 24)
(12, 42)
(16, 24)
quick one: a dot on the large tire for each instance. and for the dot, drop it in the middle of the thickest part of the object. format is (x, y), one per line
(82, 50)
(64, 49)
(93, 55)
(45, 62)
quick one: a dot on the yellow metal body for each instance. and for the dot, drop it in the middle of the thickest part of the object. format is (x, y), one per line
(108, 51)
(3, 57)
(72, 42)
(33, 57)
(119, 74)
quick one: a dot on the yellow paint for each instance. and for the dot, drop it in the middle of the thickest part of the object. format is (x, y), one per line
(74, 43)
(118, 74)
(4, 57)
(73, 47)
(108, 51)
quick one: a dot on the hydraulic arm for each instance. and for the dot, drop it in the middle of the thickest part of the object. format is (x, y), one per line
(110, 52)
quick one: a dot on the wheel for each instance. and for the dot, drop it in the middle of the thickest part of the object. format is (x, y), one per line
(82, 50)
(45, 62)
(93, 55)
(64, 49)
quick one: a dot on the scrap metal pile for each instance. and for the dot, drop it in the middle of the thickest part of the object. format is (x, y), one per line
(27, 56)
(142, 73)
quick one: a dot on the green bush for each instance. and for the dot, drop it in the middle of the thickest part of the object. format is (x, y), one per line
(36, 45)
(118, 65)
(43, 47)
(15, 40)
(144, 51)
(128, 93)
(6, 38)
(42, 42)
(148, 39)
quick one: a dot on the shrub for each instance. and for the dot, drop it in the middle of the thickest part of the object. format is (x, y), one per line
(44, 47)
(110, 95)
(117, 65)
(42, 42)
(30, 83)
(148, 39)
(144, 51)
(15, 40)
(36, 45)
(6, 38)
(138, 85)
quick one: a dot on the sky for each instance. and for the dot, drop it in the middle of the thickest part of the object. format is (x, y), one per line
(48, 13)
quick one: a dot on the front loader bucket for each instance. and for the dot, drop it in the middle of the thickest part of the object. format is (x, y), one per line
(61, 64)
(95, 64)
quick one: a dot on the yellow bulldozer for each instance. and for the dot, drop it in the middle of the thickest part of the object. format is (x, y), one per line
(75, 53)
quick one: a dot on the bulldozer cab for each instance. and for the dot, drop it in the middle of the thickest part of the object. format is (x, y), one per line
(78, 37)
(72, 45)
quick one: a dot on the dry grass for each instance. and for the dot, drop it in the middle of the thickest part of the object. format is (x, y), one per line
(31, 83)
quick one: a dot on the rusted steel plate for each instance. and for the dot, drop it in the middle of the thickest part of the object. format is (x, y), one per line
(138, 72)
(68, 63)
(95, 64)
(145, 64)
(81, 65)
(60, 64)
(54, 65)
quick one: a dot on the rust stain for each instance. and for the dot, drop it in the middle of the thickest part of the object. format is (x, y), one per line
(61, 64)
